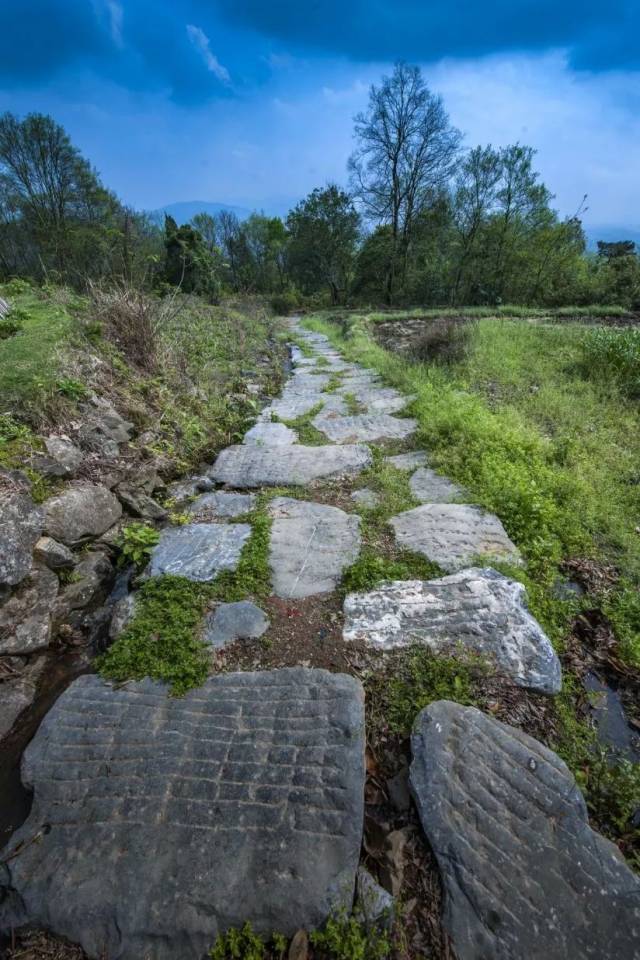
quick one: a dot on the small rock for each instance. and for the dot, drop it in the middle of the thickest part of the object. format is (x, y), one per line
(123, 612)
(199, 551)
(266, 434)
(20, 527)
(221, 503)
(365, 497)
(91, 580)
(523, 873)
(234, 621)
(373, 906)
(18, 693)
(140, 504)
(183, 489)
(55, 555)
(299, 946)
(82, 511)
(25, 618)
(64, 457)
(104, 429)
(408, 461)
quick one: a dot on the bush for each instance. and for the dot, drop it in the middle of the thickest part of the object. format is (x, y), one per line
(613, 355)
(137, 542)
(444, 341)
(283, 304)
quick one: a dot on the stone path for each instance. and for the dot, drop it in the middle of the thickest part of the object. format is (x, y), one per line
(161, 821)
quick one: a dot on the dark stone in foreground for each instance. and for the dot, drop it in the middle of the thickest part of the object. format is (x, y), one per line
(523, 873)
(234, 621)
(169, 820)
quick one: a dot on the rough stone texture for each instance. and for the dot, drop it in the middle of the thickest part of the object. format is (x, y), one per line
(377, 399)
(123, 612)
(301, 394)
(408, 461)
(104, 429)
(523, 873)
(247, 466)
(222, 504)
(311, 544)
(80, 512)
(92, 578)
(364, 427)
(266, 434)
(427, 486)
(19, 692)
(55, 555)
(477, 610)
(25, 618)
(199, 551)
(171, 819)
(373, 905)
(365, 497)
(140, 504)
(184, 489)
(234, 621)
(454, 535)
(20, 528)
(62, 460)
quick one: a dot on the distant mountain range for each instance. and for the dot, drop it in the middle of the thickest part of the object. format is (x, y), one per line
(610, 235)
(185, 210)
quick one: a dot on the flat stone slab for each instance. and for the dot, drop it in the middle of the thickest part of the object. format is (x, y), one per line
(523, 873)
(311, 544)
(427, 486)
(222, 503)
(171, 819)
(408, 461)
(364, 427)
(199, 551)
(234, 621)
(267, 434)
(249, 466)
(454, 535)
(473, 610)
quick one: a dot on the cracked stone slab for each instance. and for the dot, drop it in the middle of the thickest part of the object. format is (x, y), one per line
(222, 503)
(199, 551)
(427, 486)
(408, 461)
(454, 535)
(267, 434)
(523, 873)
(251, 466)
(364, 427)
(474, 610)
(234, 621)
(171, 819)
(311, 544)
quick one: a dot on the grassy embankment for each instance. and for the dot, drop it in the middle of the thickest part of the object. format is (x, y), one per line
(541, 427)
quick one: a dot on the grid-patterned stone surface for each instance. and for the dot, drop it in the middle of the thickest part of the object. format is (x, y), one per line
(524, 875)
(162, 821)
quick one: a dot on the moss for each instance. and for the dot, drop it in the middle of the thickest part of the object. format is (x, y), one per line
(252, 576)
(371, 568)
(308, 435)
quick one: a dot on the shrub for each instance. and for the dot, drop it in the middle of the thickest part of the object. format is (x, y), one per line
(610, 354)
(72, 389)
(282, 304)
(444, 341)
(345, 938)
(12, 322)
(137, 542)
(421, 678)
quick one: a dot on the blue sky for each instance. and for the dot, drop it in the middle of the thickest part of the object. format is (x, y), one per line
(251, 102)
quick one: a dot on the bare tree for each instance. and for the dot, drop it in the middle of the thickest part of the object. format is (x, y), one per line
(406, 153)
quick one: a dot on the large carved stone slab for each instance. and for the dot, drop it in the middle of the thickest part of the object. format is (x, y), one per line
(473, 610)
(162, 821)
(311, 544)
(364, 427)
(454, 535)
(249, 466)
(199, 551)
(427, 486)
(523, 873)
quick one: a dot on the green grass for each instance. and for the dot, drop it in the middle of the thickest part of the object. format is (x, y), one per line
(505, 310)
(371, 569)
(308, 435)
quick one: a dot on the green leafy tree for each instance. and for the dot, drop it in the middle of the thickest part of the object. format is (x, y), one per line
(189, 264)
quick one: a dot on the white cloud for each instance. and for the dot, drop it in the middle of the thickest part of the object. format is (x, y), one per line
(200, 41)
(115, 20)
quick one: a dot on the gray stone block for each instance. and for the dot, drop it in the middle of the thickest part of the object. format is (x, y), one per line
(222, 503)
(311, 544)
(364, 427)
(199, 551)
(81, 512)
(523, 873)
(266, 434)
(163, 821)
(427, 486)
(408, 461)
(454, 535)
(250, 466)
(475, 610)
(234, 621)
(25, 618)
(20, 527)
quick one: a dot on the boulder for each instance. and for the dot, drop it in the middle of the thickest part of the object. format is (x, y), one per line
(62, 460)
(454, 535)
(20, 527)
(523, 873)
(104, 429)
(171, 819)
(55, 555)
(364, 427)
(80, 512)
(310, 546)
(234, 621)
(90, 584)
(474, 610)
(221, 504)
(294, 465)
(199, 551)
(25, 618)
(139, 503)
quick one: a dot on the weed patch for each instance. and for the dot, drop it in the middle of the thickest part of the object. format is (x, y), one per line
(371, 569)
